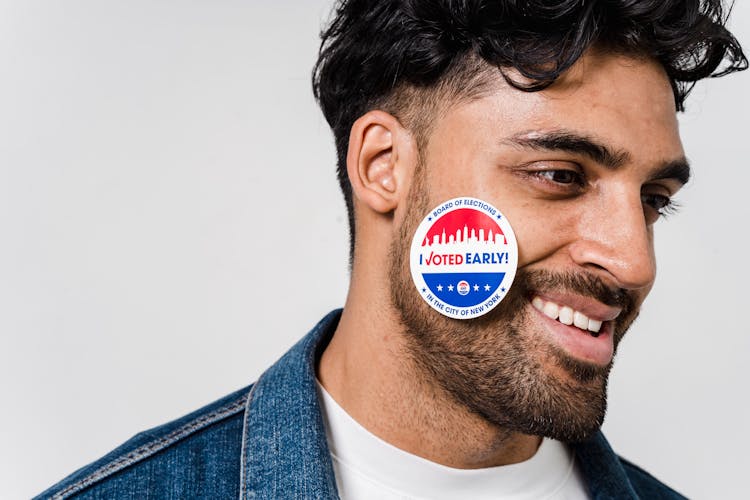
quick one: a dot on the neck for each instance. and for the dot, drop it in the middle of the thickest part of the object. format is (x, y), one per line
(368, 370)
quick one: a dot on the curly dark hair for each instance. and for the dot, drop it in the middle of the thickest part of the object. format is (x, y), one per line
(391, 54)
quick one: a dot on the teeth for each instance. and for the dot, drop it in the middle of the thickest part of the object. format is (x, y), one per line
(551, 310)
(538, 303)
(566, 315)
(581, 320)
(594, 325)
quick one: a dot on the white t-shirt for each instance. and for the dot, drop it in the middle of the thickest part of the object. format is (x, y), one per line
(367, 467)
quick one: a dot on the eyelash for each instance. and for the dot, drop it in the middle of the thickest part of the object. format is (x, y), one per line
(665, 207)
(670, 207)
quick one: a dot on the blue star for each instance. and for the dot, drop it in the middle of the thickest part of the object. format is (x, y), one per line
(502, 289)
(429, 218)
(424, 290)
(499, 217)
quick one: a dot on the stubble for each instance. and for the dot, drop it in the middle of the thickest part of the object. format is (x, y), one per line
(496, 366)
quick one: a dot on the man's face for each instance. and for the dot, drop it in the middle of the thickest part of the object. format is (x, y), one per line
(581, 171)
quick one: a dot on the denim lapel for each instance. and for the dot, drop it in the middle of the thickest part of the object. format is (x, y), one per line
(605, 476)
(284, 450)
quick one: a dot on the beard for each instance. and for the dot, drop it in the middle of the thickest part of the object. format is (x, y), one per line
(498, 366)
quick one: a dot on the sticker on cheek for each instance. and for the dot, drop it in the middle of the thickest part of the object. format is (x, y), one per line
(463, 258)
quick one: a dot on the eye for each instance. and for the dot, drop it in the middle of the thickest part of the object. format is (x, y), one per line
(561, 176)
(555, 179)
(656, 201)
(660, 204)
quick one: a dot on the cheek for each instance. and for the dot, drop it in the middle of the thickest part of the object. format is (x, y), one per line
(540, 232)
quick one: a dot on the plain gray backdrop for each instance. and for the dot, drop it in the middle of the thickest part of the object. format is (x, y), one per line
(161, 160)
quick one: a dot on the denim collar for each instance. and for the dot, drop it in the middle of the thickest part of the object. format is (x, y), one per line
(604, 473)
(284, 449)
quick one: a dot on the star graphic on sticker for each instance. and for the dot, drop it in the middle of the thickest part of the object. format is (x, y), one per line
(499, 217)
(450, 288)
(424, 290)
(502, 289)
(487, 288)
(429, 218)
(440, 288)
(476, 288)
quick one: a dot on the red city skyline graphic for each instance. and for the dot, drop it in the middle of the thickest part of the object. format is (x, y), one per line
(464, 225)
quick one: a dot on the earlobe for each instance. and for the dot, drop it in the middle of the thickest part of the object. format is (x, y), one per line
(373, 160)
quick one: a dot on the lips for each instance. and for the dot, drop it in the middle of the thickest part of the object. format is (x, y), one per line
(580, 326)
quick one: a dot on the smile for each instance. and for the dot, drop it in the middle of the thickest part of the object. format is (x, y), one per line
(567, 315)
(580, 326)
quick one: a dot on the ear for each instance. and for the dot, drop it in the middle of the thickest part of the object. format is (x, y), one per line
(378, 148)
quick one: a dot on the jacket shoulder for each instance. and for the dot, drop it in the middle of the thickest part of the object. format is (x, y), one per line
(646, 485)
(196, 456)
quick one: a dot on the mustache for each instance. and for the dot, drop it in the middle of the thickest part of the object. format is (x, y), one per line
(528, 282)
(583, 284)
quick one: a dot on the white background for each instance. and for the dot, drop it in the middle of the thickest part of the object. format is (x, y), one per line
(161, 161)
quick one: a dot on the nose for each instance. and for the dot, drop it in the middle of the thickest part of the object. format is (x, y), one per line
(613, 239)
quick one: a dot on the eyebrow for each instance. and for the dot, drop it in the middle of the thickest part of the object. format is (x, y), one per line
(677, 169)
(570, 142)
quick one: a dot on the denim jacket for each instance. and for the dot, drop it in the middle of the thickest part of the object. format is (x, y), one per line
(268, 441)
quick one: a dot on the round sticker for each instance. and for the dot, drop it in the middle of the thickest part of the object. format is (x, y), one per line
(463, 258)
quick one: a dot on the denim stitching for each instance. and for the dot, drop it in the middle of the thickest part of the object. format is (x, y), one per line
(243, 453)
(151, 448)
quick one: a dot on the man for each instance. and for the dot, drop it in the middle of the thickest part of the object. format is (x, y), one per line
(540, 139)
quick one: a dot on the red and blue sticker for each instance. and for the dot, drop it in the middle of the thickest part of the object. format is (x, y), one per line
(463, 258)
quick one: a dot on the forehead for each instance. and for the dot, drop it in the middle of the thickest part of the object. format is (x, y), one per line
(626, 102)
